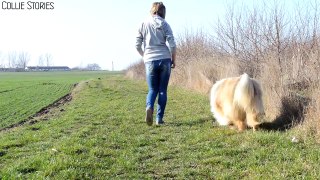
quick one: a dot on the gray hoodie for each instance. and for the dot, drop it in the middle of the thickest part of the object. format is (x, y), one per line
(153, 34)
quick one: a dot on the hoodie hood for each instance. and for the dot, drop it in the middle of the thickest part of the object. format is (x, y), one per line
(157, 21)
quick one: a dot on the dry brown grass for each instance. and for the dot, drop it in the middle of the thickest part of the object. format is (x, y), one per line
(310, 128)
(136, 71)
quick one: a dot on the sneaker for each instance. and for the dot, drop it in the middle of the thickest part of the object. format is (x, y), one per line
(159, 122)
(149, 117)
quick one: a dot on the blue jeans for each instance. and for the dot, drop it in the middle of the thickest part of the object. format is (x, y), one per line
(157, 75)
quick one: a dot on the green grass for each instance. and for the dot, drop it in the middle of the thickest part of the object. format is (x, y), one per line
(24, 94)
(101, 134)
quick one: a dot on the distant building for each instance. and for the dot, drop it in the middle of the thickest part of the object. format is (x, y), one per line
(47, 68)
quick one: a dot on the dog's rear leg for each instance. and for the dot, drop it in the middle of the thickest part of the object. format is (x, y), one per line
(241, 125)
(253, 121)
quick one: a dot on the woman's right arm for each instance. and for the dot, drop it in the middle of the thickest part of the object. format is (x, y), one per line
(139, 40)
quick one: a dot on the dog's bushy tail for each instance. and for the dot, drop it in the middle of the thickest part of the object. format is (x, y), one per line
(248, 94)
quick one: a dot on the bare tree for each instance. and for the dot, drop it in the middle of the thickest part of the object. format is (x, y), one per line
(93, 67)
(23, 60)
(12, 59)
(45, 60)
(48, 59)
(252, 34)
(41, 60)
(2, 64)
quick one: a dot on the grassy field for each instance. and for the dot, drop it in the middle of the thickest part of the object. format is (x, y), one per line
(24, 94)
(101, 134)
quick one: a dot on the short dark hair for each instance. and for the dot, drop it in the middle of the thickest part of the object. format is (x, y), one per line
(159, 9)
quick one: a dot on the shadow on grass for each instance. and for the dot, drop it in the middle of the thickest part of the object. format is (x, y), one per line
(292, 114)
(194, 122)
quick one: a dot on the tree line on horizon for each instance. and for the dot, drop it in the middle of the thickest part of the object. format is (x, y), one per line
(20, 60)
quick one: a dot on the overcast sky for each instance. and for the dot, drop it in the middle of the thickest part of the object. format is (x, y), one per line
(78, 32)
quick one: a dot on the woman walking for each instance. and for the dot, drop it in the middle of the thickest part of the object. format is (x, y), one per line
(153, 34)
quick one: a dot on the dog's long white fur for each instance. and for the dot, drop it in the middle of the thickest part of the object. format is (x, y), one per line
(219, 117)
(246, 99)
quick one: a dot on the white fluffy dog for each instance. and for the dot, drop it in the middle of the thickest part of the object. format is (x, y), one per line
(237, 102)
